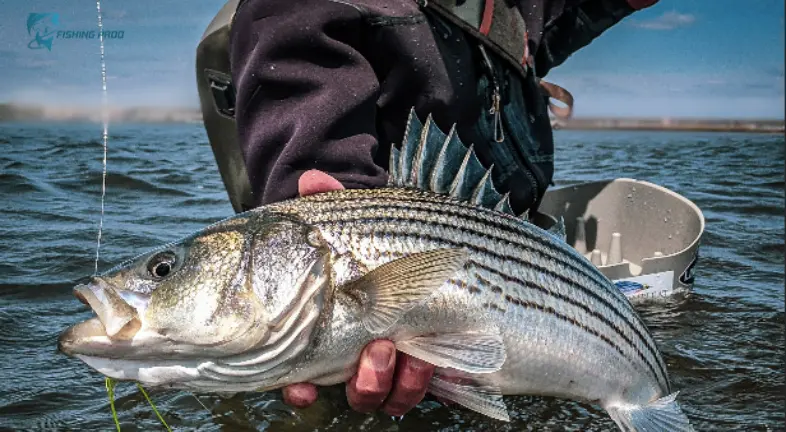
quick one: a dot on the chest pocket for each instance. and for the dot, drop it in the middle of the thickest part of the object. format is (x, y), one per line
(518, 131)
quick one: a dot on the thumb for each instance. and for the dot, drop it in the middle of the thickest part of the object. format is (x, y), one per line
(315, 181)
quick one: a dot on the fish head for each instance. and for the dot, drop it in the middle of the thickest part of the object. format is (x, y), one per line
(225, 291)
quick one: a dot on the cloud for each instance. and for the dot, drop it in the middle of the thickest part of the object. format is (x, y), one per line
(35, 63)
(741, 93)
(668, 21)
(117, 14)
(739, 83)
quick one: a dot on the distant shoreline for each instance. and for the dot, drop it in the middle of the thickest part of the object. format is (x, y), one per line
(33, 113)
(37, 113)
(672, 124)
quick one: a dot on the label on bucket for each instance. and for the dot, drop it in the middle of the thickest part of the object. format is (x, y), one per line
(687, 276)
(649, 285)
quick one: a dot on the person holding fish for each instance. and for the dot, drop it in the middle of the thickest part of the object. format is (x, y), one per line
(325, 88)
(395, 269)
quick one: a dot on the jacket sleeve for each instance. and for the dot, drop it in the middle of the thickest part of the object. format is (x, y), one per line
(579, 25)
(306, 95)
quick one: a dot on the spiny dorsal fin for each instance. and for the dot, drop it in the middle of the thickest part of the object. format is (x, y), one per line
(394, 176)
(484, 194)
(412, 137)
(450, 156)
(430, 160)
(558, 230)
(427, 154)
(503, 205)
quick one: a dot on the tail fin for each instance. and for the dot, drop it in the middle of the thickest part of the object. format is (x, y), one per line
(662, 415)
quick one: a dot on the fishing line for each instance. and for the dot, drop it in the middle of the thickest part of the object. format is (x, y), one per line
(110, 384)
(105, 121)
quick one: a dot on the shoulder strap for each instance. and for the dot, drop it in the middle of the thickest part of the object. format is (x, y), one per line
(496, 24)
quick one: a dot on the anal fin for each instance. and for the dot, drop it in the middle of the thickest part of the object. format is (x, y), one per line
(469, 392)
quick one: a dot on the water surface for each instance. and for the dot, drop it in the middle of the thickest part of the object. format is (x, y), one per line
(724, 345)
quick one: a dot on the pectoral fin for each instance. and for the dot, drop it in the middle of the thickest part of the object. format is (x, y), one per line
(391, 290)
(469, 352)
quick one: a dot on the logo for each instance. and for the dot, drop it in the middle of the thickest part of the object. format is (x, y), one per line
(630, 287)
(688, 276)
(44, 26)
(650, 285)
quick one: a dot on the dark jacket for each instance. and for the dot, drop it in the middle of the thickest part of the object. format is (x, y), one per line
(328, 84)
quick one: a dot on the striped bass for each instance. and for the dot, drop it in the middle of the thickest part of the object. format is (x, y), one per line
(291, 292)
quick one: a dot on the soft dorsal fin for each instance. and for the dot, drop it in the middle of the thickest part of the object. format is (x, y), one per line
(432, 161)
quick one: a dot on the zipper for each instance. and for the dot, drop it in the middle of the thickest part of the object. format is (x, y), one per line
(496, 97)
(530, 171)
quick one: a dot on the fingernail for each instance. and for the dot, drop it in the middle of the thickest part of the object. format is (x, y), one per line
(380, 356)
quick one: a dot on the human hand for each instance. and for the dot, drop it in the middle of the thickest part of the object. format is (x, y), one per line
(394, 383)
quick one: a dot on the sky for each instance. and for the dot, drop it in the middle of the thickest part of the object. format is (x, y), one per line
(679, 58)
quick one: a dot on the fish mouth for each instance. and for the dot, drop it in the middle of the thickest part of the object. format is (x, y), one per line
(117, 321)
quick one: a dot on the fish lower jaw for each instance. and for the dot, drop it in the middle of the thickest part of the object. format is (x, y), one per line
(148, 374)
(183, 375)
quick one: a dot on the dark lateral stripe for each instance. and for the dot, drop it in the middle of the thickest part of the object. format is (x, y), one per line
(545, 270)
(527, 284)
(510, 227)
(554, 313)
(504, 223)
(479, 215)
(544, 250)
(345, 203)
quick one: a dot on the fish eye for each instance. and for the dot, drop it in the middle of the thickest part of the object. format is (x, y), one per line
(161, 265)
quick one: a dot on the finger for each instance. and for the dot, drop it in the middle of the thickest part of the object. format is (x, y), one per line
(412, 379)
(315, 181)
(300, 395)
(372, 383)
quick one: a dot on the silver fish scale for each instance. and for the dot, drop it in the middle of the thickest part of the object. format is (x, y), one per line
(397, 203)
(515, 269)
